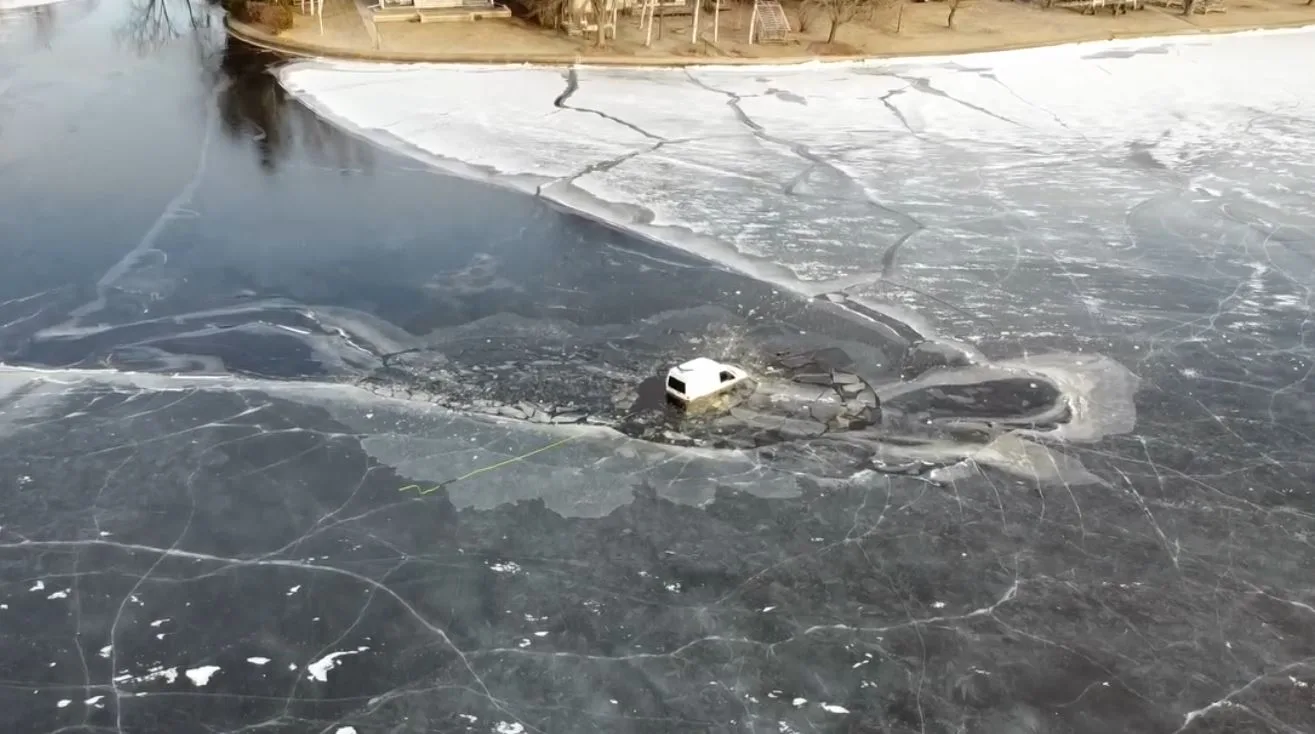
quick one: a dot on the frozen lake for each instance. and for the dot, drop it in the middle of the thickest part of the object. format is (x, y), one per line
(303, 429)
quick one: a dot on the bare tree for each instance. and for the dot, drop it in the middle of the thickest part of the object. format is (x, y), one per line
(548, 13)
(885, 10)
(805, 16)
(840, 12)
(954, 8)
(601, 9)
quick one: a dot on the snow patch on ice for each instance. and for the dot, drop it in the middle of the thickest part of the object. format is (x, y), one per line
(201, 676)
(168, 675)
(319, 670)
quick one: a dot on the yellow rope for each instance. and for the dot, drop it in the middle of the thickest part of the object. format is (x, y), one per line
(424, 491)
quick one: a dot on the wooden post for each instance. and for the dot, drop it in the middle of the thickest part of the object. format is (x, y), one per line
(694, 32)
(753, 21)
(716, 19)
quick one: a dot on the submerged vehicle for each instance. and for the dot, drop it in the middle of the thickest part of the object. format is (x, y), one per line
(701, 379)
(794, 396)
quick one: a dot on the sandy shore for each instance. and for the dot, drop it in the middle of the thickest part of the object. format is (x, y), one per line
(983, 25)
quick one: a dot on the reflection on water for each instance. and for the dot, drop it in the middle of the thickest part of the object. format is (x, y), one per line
(153, 23)
(167, 34)
(35, 23)
(252, 106)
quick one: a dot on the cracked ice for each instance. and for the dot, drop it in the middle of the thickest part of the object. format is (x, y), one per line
(1153, 209)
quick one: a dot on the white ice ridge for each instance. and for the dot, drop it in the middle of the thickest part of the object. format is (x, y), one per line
(807, 175)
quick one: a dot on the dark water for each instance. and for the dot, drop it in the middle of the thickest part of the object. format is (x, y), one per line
(233, 334)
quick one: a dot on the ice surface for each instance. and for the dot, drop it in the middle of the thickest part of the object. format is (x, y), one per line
(21, 4)
(789, 173)
(972, 196)
(1060, 236)
(483, 129)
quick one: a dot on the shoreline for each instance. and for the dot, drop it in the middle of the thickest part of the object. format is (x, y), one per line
(301, 49)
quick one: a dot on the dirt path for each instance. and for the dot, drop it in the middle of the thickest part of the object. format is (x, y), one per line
(981, 25)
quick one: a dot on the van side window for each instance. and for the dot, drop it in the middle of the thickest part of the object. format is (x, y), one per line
(726, 376)
(677, 385)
